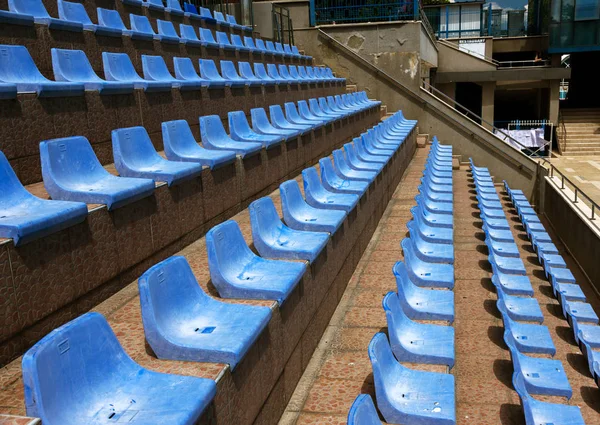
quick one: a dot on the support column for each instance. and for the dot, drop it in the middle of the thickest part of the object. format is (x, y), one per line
(487, 103)
(553, 104)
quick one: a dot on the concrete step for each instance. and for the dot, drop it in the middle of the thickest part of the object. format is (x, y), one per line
(583, 137)
(351, 88)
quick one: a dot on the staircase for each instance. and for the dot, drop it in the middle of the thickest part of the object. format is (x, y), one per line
(582, 132)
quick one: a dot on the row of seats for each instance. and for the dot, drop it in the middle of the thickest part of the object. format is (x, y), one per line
(64, 371)
(532, 375)
(74, 74)
(72, 172)
(580, 315)
(73, 16)
(424, 282)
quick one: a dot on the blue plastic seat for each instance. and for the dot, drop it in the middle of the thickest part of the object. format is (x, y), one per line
(583, 332)
(73, 66)
(167, 33)
(539, 412)
(260, 45)
(185, 71)
(292, 115)
(422, 303)
(17, 67)
(189, 35)
(154, 5)
(118, 67)
(270, 46)
(363, 411)
(500, 235)
(431, 252)
(344, 171)
(300, 216)
(240, 130)
(190, 11)
(220, 19)
(367, 147)
(72, 172)
(319, 197)
(508, 265)
(294, 75)
(207, 15)
(135, 156)
(231, 75)
(180, 145)
(249, 43)
(333, 183)
(110, 21)
(407, 396)
(429, 231)
(275, 240)
(593, 359)
(417, 342)
(40, 15)
(284, 74)
(181, 322)
(527, 338)
(288, 51)
(236, 42)
(247, 74)
(280, 50)
(425, 274)
(262, 75)
(305, 113)
(232, 21)
(24, 217)
(223, 41)
(582, 312)
(206, 37)
(315, 109)
(357, 163)
(173, 7)
(155, 69)
(439, 208)
(209, 72)
(213, 136)
(297, 52)
(436, 196)
(564, 284)
(513, 284)
(432, 218)
(75, 12)
(8, 91)
(279, 122)
(141, 29)
(524, 309)
(15, 18)
(261, 125)
(237, 272)
(273, 74)
(73, 378)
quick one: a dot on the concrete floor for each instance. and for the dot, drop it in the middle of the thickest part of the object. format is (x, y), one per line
(584, 171)
(340, 368)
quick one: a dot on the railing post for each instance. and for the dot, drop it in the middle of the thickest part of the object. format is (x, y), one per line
(416, 10)
(489, 22)
(311, 18)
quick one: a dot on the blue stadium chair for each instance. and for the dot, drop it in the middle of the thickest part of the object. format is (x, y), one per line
(523, 309)
(155, 69)
(593, 359)
(281, 51)
(305, 113)
(230, 74)
(8, 91)
(207, 15)
(260, 45)
(285, 75)
(236, 41)
(40, 15)
(180, 145)
(190, 11)
(261, 125)
(590, 334)
(249, 43)
(214, 136)
(270, 46)
(316, 110)
(363, 411)
(240, 131)
(135, 156)
(297, 52)
(233, 22)
(24, 217)
(319, 197)
(433, 218)
(371, 148)
(75, 12)
(414, 342)
(174, 8)
(513, 284)
(500, 235)
(582, 312)
(564, 285)
(262, 75)
(141, 29)
(206, 36)
(293, 73)
(154, 5)
(430, 252)
(541, 376)
(440, 197)
(223, 41)
(274, 240)
(507, 265)
(182, 322)
(527, 338)
(15, 18)
(423, 273)
(438, 208)
(333, 183)
(110, 21)
(79, 373)
(167, 33)
(185, 71)
(375, 157)
(288, 51)
(209, 72)
(274, 74)
(189, 35)
(118, 67)
(221, 19)
(237, 272)
(17, 67)
(71, 172)
(344, 171)
(73, 66)
(540, 412)
(248, 75)
(503, 249)
(310, 71)
(334, 107)
(432, 397)
(279, 121)
(304, 75)
(298, 215)
(428, 232)
(422, 303)
(292, 115)
(372, 143)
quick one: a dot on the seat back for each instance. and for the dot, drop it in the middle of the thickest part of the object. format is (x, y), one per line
(34, 8)
(363, 411)
(294, 72)
(110, 18)
(260, 44)
(277, 116)
(273, 72)
(118, 67)
(264, 220)
(190, 8)
(404, 285)
(133, 149)
(178, 138)
(396, 318)
(287, 49)
(206, 35)
(211, 129)
(249, 42)
(312, 182)
(238, 125)
(11, 189)
(155, 3)
(208, 70)
(17, 66)
(327, 171)
(222, 38)
(231, 19)
(166, 28)
(184, 69)
(295, 50)
(227, 251)
(515, 355)
(385, 367)
(260, 71)
(188, 32)
(236, 40)
(279, 47)
(76, 12)
(246, 70)
(72, 65)
(270, 46)
(205, 13)
(141, 24)
(64, 370)
(292, 201)
(228, 70)
(174, 5)
(260, 121)
(291, 112)
(219, 16)
(155, 68)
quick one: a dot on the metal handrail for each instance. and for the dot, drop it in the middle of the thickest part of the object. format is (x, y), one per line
(426, 23)
(524, 63)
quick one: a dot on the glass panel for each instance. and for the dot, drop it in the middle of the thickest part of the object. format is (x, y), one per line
(566, 11)
(566, 34)
(586, 9)
(555, 11)
(585, 33)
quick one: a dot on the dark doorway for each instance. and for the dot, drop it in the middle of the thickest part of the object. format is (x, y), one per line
(469, 96)
(584, 90)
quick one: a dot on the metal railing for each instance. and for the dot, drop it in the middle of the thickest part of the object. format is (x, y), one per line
(524, 63)
(325, 12)
(283, 30)
(464, 49)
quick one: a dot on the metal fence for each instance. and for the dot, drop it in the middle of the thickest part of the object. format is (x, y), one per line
(354, 11)
(283, 29)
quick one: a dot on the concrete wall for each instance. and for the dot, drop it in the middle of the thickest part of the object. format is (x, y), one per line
(451, 59)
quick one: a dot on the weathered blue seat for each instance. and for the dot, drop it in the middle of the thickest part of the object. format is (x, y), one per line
(79, 373)
(299, 215)
(432, 218)
(247, 74)
(261, 125)
(191, 11)
(528, 338)
(135, 156)
(508, 265)
(17, 67)
(593, 360)
(363, 412)
(438, 208)
(206, 37)
(185, 71)
(75, 12)
(422, 303)
(232, 21)
(524, 309)
(564, 284)
(279, 121)
(15, 18)
(261, 73)
(221, 19)
(223, 41)
(141, 29)
(319, 197)
(155, 69)
(40, 15)
(213, 136)
(237, 272)
(365, 147)
(414, 342)
(500, 235)
(270, 46)
(355, 163)
(584, 332)
(292, 115)
(24, 217)
(344, 171)
(581, 311)
(425, 274)
(110, 21)
(167, 33)
(230, 73)
(173, 7)
(189, 35)
(273, 74)
(333, 183)
(513, 284)
(315, 109)
(207, 15)
(180, 145)
(429, 233)
(284, 74)
(118, 67)
(436, 196)
(181, 322)
(260, 45)
(275, 240)
(364, 156)
(236, 42)
(240, 131)
(209, 72)
(428, 251)
(249, 43)
(335, 107)
(305, 113)
(73, 66)
(431, 396)
(297, 52)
